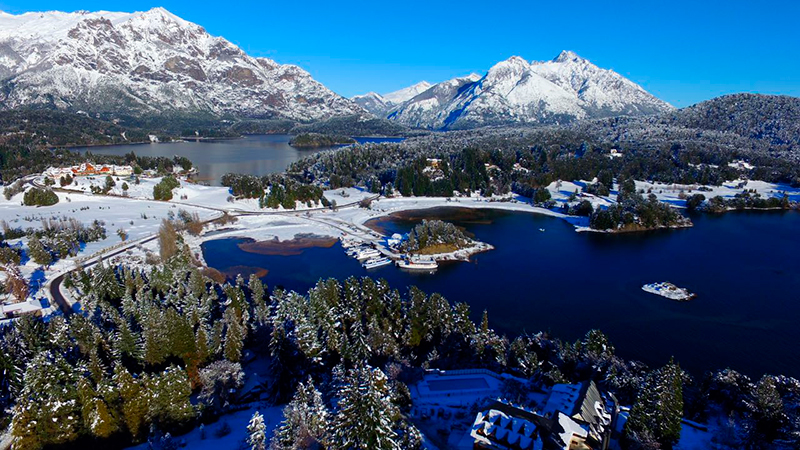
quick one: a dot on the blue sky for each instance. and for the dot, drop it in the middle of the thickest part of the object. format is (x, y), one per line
(681, 51)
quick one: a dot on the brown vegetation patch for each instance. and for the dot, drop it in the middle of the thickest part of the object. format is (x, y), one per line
(288, 248)
(245, 272)
(214, 274)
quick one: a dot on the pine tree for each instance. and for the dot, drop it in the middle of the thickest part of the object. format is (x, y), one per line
(770, 415)
(155, 340)
(258, 300)
(234, 336)
(659, 407)
(257, 432)
(48, 411)
(97, 417)
(135, 401)
(169, 401)
(366, 417)
(306, 421)
(38, 252)
(359, 348)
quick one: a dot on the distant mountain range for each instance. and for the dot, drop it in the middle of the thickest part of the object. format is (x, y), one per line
(515, 91)
(154, 63)
(380, 105)
(149, 63)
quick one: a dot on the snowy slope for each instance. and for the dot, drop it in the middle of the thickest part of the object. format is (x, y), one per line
(602, 91)
(516, 91)
(380, 105)
(373, 102)
(146, 62)
(408, 93)
(431, 107)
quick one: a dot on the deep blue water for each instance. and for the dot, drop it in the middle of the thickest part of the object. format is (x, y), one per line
(251, 155)
(742, 266)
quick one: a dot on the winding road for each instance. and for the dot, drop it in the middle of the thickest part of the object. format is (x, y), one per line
(54, 286)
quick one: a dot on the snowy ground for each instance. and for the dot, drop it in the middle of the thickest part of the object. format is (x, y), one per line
(208, 437)
(671, 193)
(140, 216)
(139, 219)
(445, 403)
(694, 439)
(188, 193)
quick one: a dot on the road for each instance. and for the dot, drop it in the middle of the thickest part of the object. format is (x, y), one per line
(54, 286)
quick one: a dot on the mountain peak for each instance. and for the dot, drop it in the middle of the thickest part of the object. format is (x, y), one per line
(149, 62)
(514, 60)
(512, 65)
(568, 55)
(408, 93)
(160, 11)
(163, 15)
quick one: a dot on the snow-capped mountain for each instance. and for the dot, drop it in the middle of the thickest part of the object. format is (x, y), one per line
(148, 62)
(406, 94)
(380, 105)
(602, 91)
(423, 110)
(373, 102)
(516, 91)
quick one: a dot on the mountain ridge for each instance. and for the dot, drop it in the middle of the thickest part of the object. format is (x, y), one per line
(563, 89)
(149, 62)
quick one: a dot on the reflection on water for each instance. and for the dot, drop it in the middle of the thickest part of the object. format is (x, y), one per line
(252, 155)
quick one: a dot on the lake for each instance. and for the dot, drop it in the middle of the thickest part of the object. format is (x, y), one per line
(742, 266)
(251, 155)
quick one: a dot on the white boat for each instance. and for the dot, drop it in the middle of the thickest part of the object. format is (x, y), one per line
(367, 254)
(372, 263)
(418, 263)
(348, 243)
(669, 290)
(541, 229)
(352, 251)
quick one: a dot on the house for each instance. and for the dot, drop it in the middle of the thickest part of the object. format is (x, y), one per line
(585, 404)
(434, 163)
(575, 417)
(21, 308)
(88, 169)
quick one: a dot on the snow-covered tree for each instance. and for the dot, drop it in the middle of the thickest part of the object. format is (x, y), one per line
(659, 407)
(234, 336)
(220, 380)
(135, 400)
(48, 410)
(169, 399)
(257, 432)
(37, 251)
(98, 418)
(258, 296)
(306, 421)
(365, 417)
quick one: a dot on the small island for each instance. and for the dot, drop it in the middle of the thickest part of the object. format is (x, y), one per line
(317, 140)
(441, 241)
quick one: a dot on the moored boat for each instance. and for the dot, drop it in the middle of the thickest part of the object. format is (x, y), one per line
(418, 263)
(367, 254)
(373, 263)
(669, 290)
